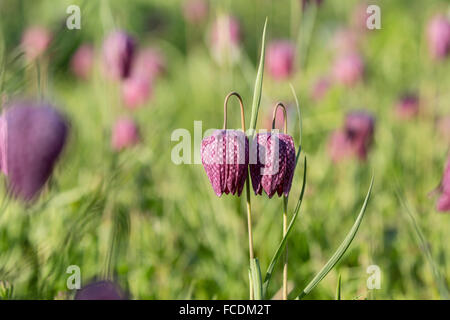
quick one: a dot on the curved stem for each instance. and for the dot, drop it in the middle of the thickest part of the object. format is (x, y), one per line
(250, 233)
(225, 104)
(274, 116)
(285, 267)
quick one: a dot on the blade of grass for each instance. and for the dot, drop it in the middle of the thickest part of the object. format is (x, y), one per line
(255, 271)
(341, 250)
(338, 289)
(258, 84)
(283, 241)
(297, 104)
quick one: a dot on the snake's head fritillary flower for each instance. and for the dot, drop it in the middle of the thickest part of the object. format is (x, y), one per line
(320, 88)
(272, 163)
(443, 203)
(125, 134)
(225, 39)
(359, 130)
(83, 61)
(349, 69)
(136, 90)
(408, 106)
(101, 290)
(32, 136)
(225, 157)
(280, 59)
(118, 54)
(195, 11)
(438, 36)
(35, 40)
(272, 159)
(149, 63)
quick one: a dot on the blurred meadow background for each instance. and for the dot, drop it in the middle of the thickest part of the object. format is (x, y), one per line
(129, 213)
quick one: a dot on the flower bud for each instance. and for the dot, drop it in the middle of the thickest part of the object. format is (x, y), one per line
(118, 53)
(438, 36)
(83, 61)
(280, 59)
(125, 134)
(35, 40)
(349, 69)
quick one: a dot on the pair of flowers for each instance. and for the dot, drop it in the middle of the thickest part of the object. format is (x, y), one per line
(226, 157)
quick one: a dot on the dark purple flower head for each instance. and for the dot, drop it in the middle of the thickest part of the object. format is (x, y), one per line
(359, 130)
(280, 59)
(225, 159)
(118, 53)
(32, 136)
(408, 106)
(438, 36)
(101, 290)
(443, 203)
(272, 163)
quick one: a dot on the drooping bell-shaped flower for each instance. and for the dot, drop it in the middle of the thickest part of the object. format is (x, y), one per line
(35, 40)
(280, 59)
(82, 61)
(225, 156)
(272, 161)
(118, 54)
(438, 36)
(125, 134)
(348, 69)
(408, 106)
(101, 290)
(32, 136)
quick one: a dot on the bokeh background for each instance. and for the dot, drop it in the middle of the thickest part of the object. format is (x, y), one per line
(157, 228)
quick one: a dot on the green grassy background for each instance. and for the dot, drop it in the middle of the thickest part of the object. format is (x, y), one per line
(159, 228)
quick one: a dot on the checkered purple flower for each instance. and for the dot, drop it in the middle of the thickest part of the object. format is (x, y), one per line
(272, 163)
(225, 157)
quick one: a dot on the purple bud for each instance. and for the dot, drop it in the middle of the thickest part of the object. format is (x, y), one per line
(408, 106)
(35, 40)
(195, 11)
(118, 53)
(32, 135)
(359, 130)
(136, 90)
(438, 36)
(149, 63)
(443, 203)
(280, 59)
(125, 134)
(349, 69)
(272, 163)
(83, 61)
(101, 290)
(225, 158)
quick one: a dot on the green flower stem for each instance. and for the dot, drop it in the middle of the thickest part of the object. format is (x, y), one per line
(285, 267)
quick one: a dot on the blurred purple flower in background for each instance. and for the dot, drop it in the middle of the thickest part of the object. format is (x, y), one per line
(443, 203)
(149, 63)
(348, 69)
(83, 61)
(118, 53)
(35, 40)
(225, 157)
(354, 139)
(125, 134)
(320, 88)
(345, 40)
(225, 39)
(408, 106)
(443, 126)
(280, 59)
(195, 11)
(136, 90)
(272, 163)
(101, 290)
(438, 36)
(32, 136)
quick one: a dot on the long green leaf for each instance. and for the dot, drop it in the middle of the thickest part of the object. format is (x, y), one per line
(258, 84)
(255, 271)
(338, 289)
(283, 241)
(300, 123)
(340, 251)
